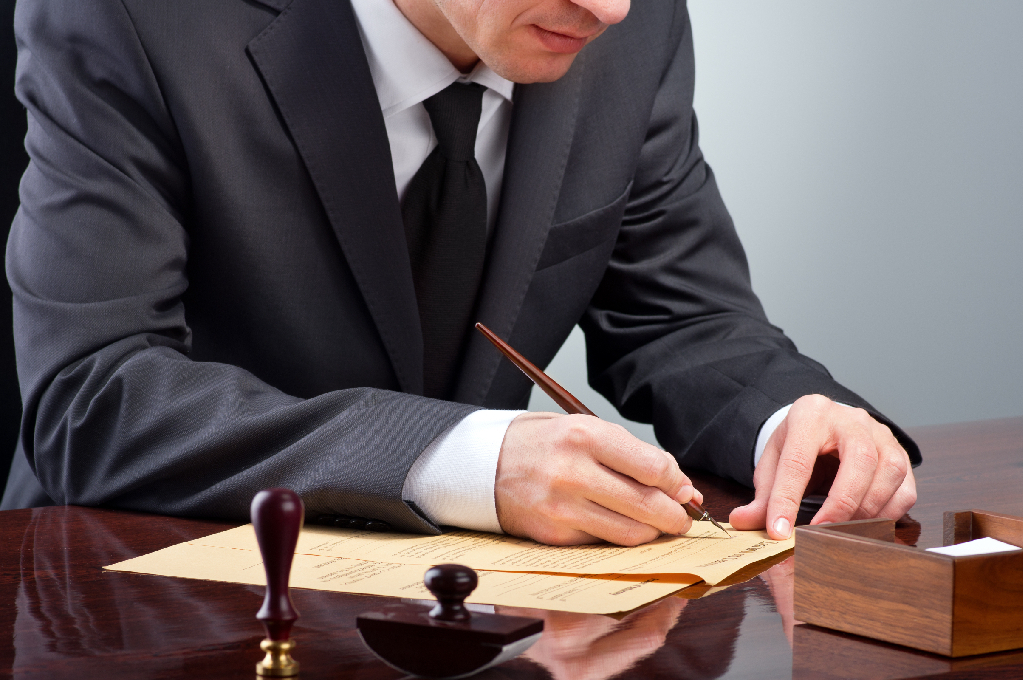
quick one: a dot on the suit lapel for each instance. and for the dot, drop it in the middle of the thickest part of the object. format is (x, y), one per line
(543, 124)
(312, 61)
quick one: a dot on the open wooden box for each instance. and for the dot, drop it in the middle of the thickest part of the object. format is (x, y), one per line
(853, 577)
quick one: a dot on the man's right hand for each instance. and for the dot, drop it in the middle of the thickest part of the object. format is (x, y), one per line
(572, 479)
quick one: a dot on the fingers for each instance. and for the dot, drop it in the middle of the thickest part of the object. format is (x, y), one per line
(587, 520)
(646, 464)
(576, 479)
(873, 475)
(608, 505)
(903, 500)
(808, 434)
(856, 476)
(873, 468)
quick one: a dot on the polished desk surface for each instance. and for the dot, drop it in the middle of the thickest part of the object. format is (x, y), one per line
(61, 616)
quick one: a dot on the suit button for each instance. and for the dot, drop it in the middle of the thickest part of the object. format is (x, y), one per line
(355, 523)
(377, 525)
(339, 521)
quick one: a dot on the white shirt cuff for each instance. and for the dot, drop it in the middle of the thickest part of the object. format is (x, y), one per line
(452, 481)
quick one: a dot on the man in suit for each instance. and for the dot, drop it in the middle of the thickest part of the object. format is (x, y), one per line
(227, 274)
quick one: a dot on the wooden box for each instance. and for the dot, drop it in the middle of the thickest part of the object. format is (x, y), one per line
(853, 577)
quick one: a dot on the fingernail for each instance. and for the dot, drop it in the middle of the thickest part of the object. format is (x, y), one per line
(782, 527)
(685, 494)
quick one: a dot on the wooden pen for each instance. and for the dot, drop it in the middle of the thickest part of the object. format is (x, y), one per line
(567, 401)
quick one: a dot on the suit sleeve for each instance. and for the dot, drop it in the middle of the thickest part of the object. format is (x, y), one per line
(675, 335)
(116, 411)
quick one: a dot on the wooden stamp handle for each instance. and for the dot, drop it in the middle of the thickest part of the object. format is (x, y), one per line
(277, 516)
(450, 584)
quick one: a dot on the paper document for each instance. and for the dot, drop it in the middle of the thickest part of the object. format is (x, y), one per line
(980, 546)
(583, 594)
(704, 551)
(512, 572)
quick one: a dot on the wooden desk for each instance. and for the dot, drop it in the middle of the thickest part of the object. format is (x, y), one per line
(61, 616)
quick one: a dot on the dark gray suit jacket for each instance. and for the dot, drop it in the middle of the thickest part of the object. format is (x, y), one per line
(212, 289)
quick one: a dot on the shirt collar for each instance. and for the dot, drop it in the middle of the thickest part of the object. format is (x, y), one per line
(405, 66)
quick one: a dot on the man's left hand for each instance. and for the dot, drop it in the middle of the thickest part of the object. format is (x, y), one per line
(821, 443)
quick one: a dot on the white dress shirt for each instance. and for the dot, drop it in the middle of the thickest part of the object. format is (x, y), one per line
(452, 481)
(408, 69)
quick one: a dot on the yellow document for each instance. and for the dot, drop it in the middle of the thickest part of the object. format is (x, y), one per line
(583, 594)
(595, 579)
(704, 552)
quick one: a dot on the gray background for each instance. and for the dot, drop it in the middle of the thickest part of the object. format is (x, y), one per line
(871, 153)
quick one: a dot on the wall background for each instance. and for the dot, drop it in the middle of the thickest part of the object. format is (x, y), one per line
(871, 154)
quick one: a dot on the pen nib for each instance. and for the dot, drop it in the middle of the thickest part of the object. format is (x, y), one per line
(715, 523)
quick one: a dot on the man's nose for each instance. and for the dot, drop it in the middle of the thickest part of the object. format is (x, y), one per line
(607, 11)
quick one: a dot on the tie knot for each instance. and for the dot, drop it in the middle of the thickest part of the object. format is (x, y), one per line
(455, 114)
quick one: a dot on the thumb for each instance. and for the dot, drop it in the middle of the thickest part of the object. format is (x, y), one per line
(751, 516)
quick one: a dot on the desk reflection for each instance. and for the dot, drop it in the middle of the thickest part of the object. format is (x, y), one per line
(148, 617)
(675, 637)
(780, 580)
(128, 625)
(587, 647)
(71, 613)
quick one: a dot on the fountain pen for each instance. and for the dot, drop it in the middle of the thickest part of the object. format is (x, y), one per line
(567, 401)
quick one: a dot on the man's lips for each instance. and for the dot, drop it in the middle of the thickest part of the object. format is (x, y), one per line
(563, 43)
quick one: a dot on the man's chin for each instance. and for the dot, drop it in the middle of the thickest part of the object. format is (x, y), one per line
(540, 69)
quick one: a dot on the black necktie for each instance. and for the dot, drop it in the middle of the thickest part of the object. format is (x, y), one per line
(445, 214)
